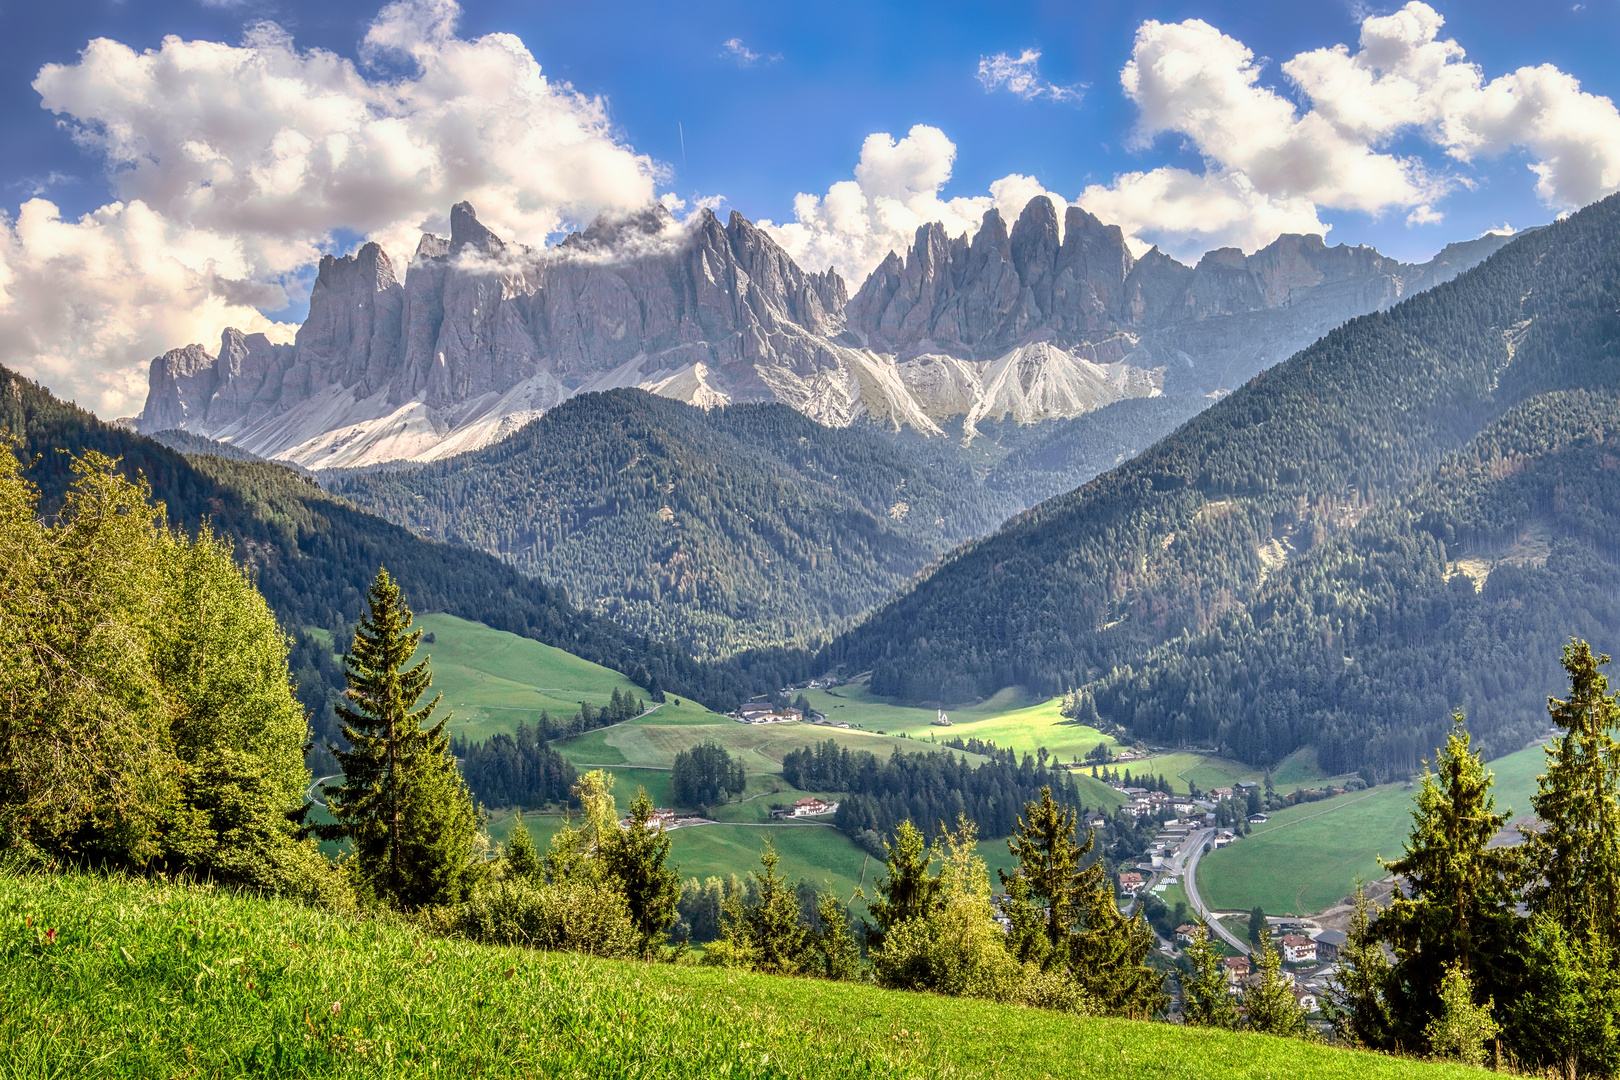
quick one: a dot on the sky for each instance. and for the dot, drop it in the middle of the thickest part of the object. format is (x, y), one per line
(178, 166)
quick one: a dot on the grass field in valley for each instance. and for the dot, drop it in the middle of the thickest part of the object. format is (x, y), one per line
(491, 679)
(145, 980)
(1308, 857)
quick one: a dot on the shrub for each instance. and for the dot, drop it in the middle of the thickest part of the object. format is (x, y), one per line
(577, 916)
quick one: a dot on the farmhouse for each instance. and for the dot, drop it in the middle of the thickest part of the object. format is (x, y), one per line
(1297, 949)
(1258, 819)
(1185, 934)
(1306, 998)
(660, 819)
(763, 712)
(1221, 793)
(1328, 944)
(811, 807)
(1130, 884)
(1237, 968)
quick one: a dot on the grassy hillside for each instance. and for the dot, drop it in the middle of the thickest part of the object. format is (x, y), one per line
(1308, 857)
(163, 980)
(491, 679)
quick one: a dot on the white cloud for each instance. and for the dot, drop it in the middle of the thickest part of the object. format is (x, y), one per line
(895, 190)
(1286, 164)
(745, 57)
(233, 165)
(1021, 76)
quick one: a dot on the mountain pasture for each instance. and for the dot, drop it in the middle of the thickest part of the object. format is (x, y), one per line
(1309, 857)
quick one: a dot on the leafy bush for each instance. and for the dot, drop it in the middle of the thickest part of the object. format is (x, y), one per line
(577, 916)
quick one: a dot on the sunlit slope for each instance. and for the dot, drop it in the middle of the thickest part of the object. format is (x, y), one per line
(164, 980)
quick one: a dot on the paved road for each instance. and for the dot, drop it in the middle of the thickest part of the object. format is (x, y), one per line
(1189, 855)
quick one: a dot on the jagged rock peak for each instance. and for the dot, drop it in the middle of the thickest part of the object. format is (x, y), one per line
(467, 231)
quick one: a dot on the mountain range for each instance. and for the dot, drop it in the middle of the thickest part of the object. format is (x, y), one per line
(1030, 323)
(1410, 516)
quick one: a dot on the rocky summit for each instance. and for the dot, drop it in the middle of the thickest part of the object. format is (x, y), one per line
(1032, 323)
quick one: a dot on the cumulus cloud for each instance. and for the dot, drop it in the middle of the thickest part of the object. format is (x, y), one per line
(1021, 77)
(233, 165)
(1285, 164)
(896, 189)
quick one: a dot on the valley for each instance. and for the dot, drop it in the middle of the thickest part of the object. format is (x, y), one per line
(1305, 859)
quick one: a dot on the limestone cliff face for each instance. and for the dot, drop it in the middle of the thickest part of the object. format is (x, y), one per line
(481, 336)
(1208, 326)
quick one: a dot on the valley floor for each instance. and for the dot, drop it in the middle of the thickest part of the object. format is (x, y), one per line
(113, 978)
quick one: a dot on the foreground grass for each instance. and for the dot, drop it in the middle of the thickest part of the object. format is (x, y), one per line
(162, 980)
(1308, 857)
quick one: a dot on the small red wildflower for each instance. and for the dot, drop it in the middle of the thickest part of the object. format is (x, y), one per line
(50, 937)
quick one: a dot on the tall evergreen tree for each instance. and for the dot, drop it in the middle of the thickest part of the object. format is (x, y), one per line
(1102, 949)
(907, 891)
(1270, 1001)
(1206, 1000)
(1577, 852)
(1456, 908)
(638, 857)
(1357, 1004)
(1049, 862)
(1257, 927)
(401, 800)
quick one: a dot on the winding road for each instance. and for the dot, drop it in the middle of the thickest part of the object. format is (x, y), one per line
(1188, 857)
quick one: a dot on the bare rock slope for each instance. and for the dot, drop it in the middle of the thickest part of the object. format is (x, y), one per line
(482, 336)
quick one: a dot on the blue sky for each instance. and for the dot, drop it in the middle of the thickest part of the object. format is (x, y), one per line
(689, 117)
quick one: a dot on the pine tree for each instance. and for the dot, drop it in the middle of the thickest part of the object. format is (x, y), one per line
(1577, 853)
(1257, 927)
(907, 892)
(1358, 1004)
(522, 861)
(838, 956)
(1049, 864)
(401, 800)
(1270, 1001)
(1456, 908)
(765, 934)
(638, 858)
(1107, 957)
(1206, 1000)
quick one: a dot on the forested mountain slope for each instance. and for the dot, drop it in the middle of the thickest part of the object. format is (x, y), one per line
(1275, 573)
(313, 553)
(741, 526)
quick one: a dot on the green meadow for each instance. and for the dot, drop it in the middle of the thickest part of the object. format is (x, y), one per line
(1309, 857)
(109, 978)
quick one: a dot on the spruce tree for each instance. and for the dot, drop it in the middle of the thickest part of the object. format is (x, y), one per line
(1257, 927)
(907, 892)
(1049, 864)
(1270, 1001)
(522, 861)
(1358, 1003)
(1206, 1001)
(401, 801)
(1456, 907)
(838, 956)
(638, 857)
(1577, 853)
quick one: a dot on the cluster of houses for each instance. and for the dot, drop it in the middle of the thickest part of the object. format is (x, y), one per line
(810, 807)
(1313, 963)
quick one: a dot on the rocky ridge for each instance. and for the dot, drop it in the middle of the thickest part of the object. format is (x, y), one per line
(482, 336)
